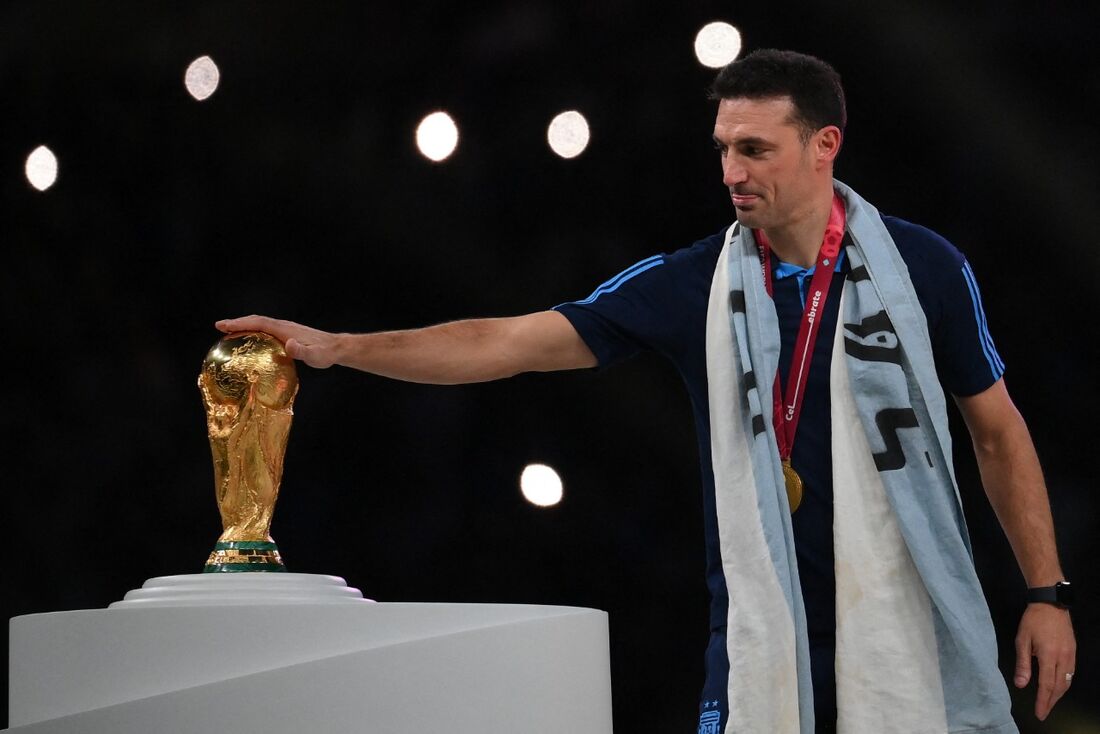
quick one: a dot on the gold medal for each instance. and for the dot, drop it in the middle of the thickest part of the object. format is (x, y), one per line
(794, 485)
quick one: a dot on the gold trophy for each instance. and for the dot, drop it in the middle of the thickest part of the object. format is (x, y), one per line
(248, 386)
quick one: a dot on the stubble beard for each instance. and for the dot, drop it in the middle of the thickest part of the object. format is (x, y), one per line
(751, 218)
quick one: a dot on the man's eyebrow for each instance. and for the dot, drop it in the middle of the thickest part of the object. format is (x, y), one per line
(754, 141)
(751, 140)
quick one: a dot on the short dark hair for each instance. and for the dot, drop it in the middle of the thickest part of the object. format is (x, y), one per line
(812, 85)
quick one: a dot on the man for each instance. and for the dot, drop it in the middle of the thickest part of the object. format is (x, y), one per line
(843, 592)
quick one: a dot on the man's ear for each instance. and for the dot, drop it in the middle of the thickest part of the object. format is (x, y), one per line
(826, 144)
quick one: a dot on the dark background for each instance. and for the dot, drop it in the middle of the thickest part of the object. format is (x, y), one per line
(296, 190)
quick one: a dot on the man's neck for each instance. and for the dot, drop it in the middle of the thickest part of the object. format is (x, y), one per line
(799, 241)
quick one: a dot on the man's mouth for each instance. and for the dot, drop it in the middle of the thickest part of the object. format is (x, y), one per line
(743, 199)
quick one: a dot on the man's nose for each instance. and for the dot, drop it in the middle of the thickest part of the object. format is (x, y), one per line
(733, 173)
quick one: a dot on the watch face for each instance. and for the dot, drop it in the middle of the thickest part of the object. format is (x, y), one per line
(1064, 591)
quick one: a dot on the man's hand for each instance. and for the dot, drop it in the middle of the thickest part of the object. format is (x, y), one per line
(1045, 633)
(314, 347)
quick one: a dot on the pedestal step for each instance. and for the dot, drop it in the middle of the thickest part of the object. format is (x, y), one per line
(216, 589)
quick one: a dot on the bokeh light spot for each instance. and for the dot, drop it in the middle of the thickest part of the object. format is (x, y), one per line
(717, 44)
(202, 77)
(41, 168)
(437, 136)
(568, 134)
(540, 485)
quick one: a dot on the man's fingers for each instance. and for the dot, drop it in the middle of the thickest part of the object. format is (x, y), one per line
(1044, 697)
(249, 323)
(1023, 660)
(1062, 663)
(281, 330)
(1048, 697)
(1061, 685)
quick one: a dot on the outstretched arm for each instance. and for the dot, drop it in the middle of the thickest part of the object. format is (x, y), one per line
(475, 350)
(1014, 483)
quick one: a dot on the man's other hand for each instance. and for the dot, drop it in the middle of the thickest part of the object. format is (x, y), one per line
(1047, 634)
(312, 346)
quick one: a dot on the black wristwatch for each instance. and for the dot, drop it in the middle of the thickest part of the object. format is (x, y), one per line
(1060, 595)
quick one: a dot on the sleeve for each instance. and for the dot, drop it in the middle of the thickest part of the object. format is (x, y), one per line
(651, 306)
(966, 357)
(614, 320)
(967, 362)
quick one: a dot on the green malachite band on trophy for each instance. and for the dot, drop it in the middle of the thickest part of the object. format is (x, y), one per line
(244, 568)
(266, 545)
(244, 556)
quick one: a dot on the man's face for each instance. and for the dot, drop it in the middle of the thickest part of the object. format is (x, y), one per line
(769, 172)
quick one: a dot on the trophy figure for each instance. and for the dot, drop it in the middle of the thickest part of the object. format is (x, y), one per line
(248, 386)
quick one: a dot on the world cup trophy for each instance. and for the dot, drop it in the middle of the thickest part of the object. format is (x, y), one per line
(248, 386)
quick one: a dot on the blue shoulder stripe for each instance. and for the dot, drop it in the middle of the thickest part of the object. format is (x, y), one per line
(996, 364)
(613, 284)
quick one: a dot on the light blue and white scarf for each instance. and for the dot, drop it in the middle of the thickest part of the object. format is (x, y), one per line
(915, 646)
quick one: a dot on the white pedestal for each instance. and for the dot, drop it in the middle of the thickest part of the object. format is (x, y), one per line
(294, 653)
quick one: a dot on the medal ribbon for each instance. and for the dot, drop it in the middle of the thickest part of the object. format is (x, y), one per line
(786, 412)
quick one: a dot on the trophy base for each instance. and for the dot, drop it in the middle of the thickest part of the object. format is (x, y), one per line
(244, 556)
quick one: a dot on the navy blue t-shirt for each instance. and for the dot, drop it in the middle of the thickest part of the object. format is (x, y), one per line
(660, 304)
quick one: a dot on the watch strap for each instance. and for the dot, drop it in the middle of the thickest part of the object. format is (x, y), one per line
(1060, 595)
